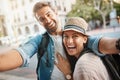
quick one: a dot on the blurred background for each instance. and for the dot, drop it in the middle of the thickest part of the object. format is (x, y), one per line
(18, 24)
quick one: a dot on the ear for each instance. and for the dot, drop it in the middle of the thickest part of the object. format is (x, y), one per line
(85, 39)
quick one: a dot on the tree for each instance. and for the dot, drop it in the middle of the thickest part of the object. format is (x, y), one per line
(85, 8)
(117, 7)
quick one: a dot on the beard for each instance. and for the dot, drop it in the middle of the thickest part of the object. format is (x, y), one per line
(52, 28)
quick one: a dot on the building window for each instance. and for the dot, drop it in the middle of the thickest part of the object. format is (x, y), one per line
(58, 7)
(18, 19)
(31, 0)
(36, 28)
(64, 9)
(14, 19)
(19, 31)
(25, 17)
(27, 30)
(16, 5)
(12, 5)
(23, 3)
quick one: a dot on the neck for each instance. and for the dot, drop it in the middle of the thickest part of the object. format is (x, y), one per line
(57, 32)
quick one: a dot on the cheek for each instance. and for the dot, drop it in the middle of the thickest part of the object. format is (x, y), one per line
(44, 25)
(79, 45)
(64, 42)
(79, 48)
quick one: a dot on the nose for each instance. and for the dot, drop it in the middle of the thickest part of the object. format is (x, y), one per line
(70, 40)
(47, 19)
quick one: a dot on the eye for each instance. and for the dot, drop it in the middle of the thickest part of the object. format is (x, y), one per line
(75, 36)
(41, 19)
(49, 14)
(65, 36)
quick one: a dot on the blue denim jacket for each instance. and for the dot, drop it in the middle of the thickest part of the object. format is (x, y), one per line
(30, 48)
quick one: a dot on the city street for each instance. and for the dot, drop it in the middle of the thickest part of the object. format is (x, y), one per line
(22, 19)
(29, 73)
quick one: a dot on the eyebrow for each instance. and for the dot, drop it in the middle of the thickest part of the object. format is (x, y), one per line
(75, 33)
(45, 14)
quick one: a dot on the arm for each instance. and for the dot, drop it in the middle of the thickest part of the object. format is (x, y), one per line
(108, 45)
(10, 60)
(63, 65)
(103, 45)
(20, 56)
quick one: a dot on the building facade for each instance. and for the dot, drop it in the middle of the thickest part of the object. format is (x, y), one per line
(19, 18)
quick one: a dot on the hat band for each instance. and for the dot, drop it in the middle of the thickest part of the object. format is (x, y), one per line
(75, 27)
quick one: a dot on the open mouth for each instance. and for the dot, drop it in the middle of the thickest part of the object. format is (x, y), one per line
(71, 48)
(51, 24)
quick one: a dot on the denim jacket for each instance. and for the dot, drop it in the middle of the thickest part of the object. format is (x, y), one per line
(28, 49)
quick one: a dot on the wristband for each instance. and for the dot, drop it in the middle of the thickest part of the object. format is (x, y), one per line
(118, 44)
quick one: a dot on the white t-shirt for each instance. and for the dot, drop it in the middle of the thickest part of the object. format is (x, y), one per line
(57, 74)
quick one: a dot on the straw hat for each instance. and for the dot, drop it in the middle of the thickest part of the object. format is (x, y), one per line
(77, 24)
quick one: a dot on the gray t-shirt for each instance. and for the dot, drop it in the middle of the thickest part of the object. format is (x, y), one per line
(58, 48)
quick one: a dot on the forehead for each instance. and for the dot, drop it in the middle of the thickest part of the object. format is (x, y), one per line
(72, 32)
(43, 11)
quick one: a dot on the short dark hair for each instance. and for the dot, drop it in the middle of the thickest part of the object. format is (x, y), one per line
(40, 5)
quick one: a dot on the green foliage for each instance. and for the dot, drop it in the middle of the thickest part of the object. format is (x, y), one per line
(117, 7)
(85, 9)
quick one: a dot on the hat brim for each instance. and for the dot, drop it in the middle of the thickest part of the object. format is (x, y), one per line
(76, 31)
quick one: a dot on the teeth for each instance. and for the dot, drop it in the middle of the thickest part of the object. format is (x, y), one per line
(70, 46)
(51, 24)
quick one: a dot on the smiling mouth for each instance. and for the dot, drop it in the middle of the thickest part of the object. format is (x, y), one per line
(53, 24)
(71, 48)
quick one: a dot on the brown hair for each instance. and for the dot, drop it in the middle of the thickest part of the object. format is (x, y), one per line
(40, 5)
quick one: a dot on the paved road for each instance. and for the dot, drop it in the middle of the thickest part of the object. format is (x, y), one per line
(29, 72)
(111, 32)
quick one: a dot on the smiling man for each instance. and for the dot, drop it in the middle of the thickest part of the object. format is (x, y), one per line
(46, 69)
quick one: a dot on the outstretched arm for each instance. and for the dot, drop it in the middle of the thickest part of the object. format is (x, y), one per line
(103, 45)
(10, 60)
(108, 45)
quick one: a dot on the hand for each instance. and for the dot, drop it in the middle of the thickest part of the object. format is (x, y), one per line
(63, 64)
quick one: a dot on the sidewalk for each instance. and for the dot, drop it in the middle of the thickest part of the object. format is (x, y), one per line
(19, 74)
(12, 77)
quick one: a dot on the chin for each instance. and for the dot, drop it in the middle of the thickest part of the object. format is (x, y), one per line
(71, 54)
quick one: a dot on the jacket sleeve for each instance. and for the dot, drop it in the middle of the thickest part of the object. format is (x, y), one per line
(28, 49)
(93, 42)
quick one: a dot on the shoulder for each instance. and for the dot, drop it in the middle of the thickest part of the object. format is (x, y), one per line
(90, 66)
(88, 57)
(36, 38)
(32, 40)
(89, 62)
